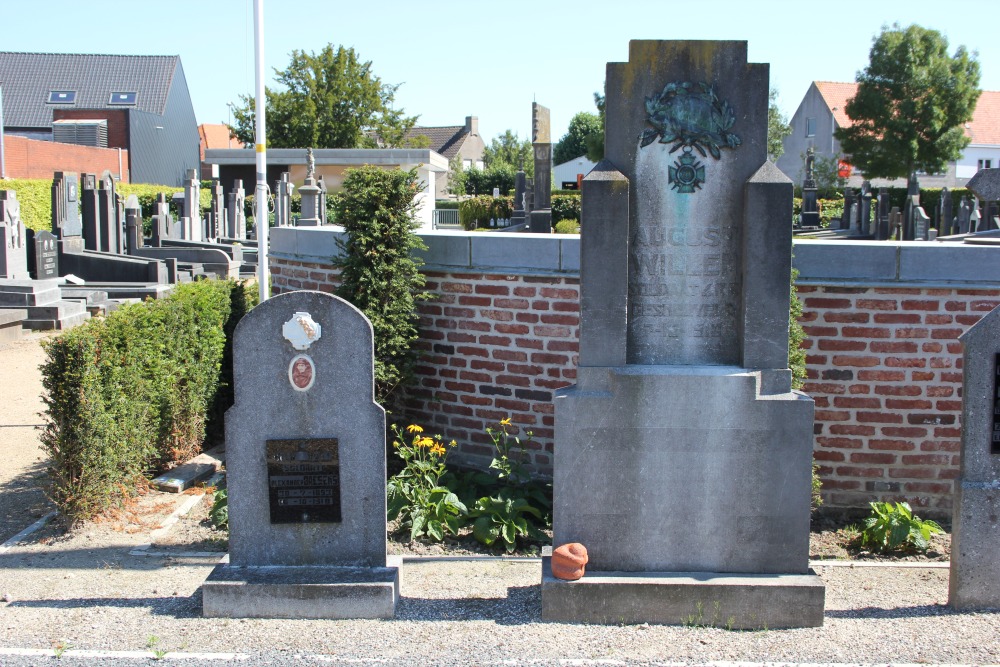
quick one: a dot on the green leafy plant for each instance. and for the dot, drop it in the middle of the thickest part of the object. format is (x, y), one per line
(219, 514)
(130, 393)
(567, 227)
(415, 495)
(380, 274)
(516, 506)
(153, 644)
(504, 518)
(894, 526)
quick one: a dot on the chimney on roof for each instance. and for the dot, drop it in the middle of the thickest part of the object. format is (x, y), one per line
(472, 125)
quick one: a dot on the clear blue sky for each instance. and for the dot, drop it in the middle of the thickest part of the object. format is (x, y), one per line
(488, 59)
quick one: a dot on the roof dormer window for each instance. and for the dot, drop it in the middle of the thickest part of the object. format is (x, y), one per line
(125, 99)
(62, 97)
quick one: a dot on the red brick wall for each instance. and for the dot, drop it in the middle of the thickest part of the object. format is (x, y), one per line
(117, 122)
(884, 367)
(493, 346)
(885, 370)
(30, 158)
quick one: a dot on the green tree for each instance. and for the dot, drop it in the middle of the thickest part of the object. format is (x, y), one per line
(379, 274)
(574, 143)
(595, 142)
(507, 149)
(911, 104)
(777, 127)
(329, 99)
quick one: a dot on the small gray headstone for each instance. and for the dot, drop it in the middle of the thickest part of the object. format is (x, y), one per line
(305, 458)
(975, 545)
(45, 256)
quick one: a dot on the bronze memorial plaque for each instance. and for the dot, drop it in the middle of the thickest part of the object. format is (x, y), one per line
(303, 479)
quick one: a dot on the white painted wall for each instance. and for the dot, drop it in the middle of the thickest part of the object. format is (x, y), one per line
(967, 165)
(567, 171)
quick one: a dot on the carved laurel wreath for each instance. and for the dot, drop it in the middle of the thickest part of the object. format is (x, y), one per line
(690, 115)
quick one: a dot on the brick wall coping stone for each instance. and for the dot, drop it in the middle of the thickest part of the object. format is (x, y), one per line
(895, 264)
(521, 254)
(831, 263)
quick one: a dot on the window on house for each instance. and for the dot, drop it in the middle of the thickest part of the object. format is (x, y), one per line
(467, 164)
(62, 97)
(984, 164)
(127, 99)
(810, 127)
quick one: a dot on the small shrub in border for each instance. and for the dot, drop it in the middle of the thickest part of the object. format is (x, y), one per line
(894, 527)
(130, 393)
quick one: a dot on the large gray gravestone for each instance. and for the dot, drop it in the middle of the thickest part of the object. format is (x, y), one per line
(682, 455)
(13, 238)
(192, 229)
(305, 459)
(90, 212)
(975, 545)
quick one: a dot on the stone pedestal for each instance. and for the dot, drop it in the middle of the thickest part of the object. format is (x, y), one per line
(311, 215)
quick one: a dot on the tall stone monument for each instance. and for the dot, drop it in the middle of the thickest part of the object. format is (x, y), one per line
(682, 455)
(809, 217)
(305, 459)
(66, 224)
(236, 219)
(540, 216)
(975, 546)
(193, 229)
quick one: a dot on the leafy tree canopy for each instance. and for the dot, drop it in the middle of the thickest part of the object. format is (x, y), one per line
(574, 143)
(912, 102)
(329, 99)
(777, 127)
(507, 149)
(595, 142)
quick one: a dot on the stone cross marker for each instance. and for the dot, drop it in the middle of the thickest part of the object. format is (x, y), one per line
(305, 455)
(682, 456)
(236, 217)
(975, 546)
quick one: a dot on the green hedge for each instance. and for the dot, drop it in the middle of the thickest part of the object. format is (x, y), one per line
(35, 196)
(476, 212)
(565, 207)
(131, 393)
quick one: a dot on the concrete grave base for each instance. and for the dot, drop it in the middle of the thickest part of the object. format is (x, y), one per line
(329, 592)
(732, 601)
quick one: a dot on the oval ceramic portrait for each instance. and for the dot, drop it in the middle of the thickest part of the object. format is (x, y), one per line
(302, 372)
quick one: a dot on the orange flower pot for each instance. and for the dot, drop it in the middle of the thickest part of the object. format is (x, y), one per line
(569, 561)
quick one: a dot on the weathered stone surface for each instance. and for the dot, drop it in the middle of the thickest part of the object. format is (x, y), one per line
(339, 404)
(975, 549)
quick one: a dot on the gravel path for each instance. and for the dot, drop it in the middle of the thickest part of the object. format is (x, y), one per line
(104, 588)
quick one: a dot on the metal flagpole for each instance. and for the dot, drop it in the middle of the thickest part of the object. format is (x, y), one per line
(261, 191)
(3, 164)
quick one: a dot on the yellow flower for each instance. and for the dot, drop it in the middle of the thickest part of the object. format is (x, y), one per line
(505, 422)
(452, 443)
(413, 428)
(438, 449)
(425, 442)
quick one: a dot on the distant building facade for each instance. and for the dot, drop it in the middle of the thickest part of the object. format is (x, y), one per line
(450, 141)
(823, 110)
(137, 103)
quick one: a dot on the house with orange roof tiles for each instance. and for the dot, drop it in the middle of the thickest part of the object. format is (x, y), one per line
(823, 109)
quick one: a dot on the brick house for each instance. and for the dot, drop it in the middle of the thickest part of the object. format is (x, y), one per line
(822, 111)
(137, 103)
